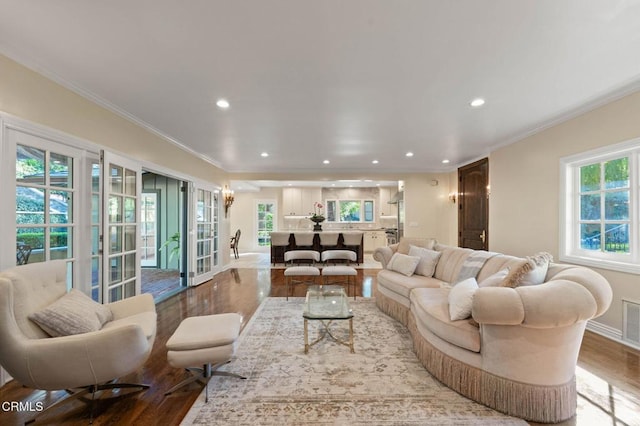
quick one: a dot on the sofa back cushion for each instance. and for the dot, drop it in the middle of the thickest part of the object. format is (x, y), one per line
(450, 262)
(406, 243)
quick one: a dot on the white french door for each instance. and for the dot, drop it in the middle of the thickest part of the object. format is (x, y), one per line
(205, 232)
(149, 229)
(121, 212)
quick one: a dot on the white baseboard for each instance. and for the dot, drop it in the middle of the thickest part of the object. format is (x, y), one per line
(609, 332)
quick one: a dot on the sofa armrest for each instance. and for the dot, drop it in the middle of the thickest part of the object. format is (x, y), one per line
(132, 305)
(556, 303)
(384, 254)
(498, 306)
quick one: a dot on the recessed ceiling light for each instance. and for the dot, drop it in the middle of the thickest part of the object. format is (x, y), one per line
(375, 162)
(264, 154)
(445, 161)
(478, 102)
(409, 154)
(222, 103)
(326, 162)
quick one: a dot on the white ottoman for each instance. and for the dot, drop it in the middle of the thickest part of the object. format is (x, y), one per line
(204, 340)
(300, 275)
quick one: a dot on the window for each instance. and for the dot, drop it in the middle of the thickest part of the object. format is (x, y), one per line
(266, 212)
(600, 208)
(350, 210)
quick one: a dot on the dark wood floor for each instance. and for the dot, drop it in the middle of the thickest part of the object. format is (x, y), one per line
(241, 291)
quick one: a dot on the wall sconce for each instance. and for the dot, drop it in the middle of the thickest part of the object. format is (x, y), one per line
(452, 197)
(227, 196)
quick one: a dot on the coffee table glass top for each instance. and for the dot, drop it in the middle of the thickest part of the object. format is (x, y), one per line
(326, 303)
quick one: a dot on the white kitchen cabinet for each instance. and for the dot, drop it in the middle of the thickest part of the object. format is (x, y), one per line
(374, 240)
(386, 209)
(299, 201)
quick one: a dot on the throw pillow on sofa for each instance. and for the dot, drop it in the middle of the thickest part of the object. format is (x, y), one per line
(461, 299)
(533, 271)
(494, 280)
(403, 263)
(428, 260)
(73, 313)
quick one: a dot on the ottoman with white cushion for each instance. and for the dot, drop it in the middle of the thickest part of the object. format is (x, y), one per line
(208, 341)
(340, 274)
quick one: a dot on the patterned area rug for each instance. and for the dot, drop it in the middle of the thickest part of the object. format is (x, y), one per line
(383, 383)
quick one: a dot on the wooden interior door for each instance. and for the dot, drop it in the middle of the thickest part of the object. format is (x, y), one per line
(473, 205)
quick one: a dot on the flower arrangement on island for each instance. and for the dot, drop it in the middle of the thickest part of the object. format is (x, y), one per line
(317, 216)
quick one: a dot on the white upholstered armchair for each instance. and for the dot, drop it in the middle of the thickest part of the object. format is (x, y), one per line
(80, 363)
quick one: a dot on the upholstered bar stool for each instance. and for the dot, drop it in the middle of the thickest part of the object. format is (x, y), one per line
(352, 240)
(303, 239)
(339, 274)
(329, 240)
(301, 274)
(209, 341)
(279, 245)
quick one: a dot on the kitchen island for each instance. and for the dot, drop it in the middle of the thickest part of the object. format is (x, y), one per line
(277, 253)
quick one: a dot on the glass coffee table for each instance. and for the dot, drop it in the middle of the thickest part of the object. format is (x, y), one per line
(327, 304)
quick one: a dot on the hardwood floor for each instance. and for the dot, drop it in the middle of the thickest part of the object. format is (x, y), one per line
(613, 367)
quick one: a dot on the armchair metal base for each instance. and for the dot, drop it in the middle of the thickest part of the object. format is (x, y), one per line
(79, 393)
(203, 375)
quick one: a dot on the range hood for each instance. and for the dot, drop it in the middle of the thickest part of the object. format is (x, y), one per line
(398, 196)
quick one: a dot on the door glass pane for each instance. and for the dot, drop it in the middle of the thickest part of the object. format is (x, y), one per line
(130, 210)
(129, 238)
(61, 170)
(30, 165)
(115, 239)
(115, 209)
(59, 247)
(29, 205)
(130, 182)
(116, 179)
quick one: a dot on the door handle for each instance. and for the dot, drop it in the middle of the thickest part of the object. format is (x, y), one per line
(483, 236)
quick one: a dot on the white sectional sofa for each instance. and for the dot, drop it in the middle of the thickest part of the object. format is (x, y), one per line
(516, 350)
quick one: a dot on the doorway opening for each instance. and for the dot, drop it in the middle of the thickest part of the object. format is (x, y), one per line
(163, 235)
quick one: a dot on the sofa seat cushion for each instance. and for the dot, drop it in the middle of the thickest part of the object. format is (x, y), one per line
(146, 320)
(403, 285)
(431, 308)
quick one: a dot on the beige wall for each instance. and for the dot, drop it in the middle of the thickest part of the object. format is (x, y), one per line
(30, 96)
(242, 215)
(524, 201)
(428, 211)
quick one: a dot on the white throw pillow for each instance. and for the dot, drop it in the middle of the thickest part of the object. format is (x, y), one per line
(73, 313)
(461, 299)
(494, 280)
(403, 263)
(428, 260)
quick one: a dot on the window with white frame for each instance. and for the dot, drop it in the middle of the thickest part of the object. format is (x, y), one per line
(600, 208)
(350, 211)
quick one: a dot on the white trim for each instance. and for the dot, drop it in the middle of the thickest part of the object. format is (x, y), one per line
(569, 207)
(609, 333)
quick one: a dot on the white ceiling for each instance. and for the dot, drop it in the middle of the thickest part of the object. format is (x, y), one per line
(350, 81)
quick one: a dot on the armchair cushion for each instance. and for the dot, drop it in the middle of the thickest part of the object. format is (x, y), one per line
(73, 313)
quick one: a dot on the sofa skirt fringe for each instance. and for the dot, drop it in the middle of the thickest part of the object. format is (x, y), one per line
(392, 308)
(544, 404)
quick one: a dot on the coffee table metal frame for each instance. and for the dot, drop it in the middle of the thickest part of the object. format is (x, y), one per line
(326, 304)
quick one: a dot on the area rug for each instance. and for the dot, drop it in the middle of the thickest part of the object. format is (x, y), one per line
(382, 383)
